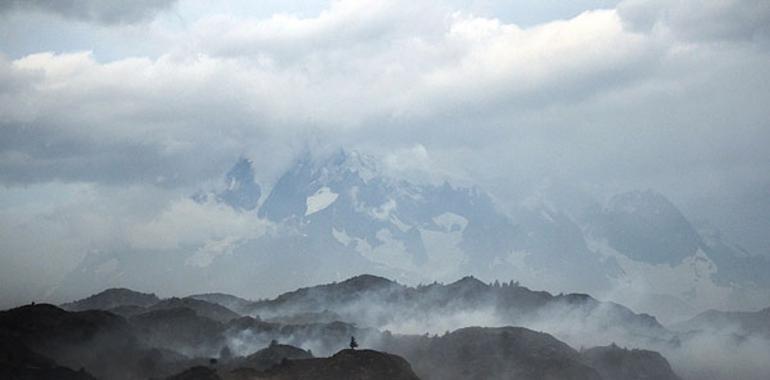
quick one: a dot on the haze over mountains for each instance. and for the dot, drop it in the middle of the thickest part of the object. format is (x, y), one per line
(337, 215)
(489, 331)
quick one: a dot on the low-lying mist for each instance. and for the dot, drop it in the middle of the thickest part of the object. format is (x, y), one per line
(578, 320)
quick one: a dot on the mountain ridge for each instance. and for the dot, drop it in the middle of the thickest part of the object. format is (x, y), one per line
(338, 215)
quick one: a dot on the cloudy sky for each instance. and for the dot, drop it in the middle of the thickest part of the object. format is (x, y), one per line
(113, 112)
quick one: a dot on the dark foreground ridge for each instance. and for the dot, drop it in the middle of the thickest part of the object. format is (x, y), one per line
(346, 364)
(19, 362)
(614, 362)
(493, 353)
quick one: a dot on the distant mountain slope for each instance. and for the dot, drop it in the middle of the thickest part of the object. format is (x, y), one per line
(744, 323)
(381, 303)
(19, 362)
(236, 304)
(202, 308)
(615, 363)
(492, 353)
(112, 298)
(241, 191)
(270, 356)
(337, 215)
(180, 329)
(646, 227)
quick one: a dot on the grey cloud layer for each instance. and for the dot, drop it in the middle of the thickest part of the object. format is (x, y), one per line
(408, 71)
(596, 95)
(701, 20)
(100, 11)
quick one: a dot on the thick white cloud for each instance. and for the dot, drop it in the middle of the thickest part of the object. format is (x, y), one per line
(188, 223)
(47, 229)
(352, 68)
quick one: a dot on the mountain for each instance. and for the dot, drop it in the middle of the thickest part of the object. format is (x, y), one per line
(344, 209)
(175, 339)
(19, 362)
(127, 302)
(492, 353)
(240, 190)
(337, 215)
(342, 215)
(202, 308)
(98, 341)
(112, 298)
(180, 329)
(48, 328)
(346, 364)
(646, 227)
(741, 323)
(270, 356)
(196, 373)
(662, 252)
(615, 363)
(373, 301)
(519, 353)
(236, 304)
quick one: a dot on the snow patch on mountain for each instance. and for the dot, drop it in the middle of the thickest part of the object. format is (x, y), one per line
(364, 165)
(322, 199)
(451, 221)
(383, 211)
(396, 221)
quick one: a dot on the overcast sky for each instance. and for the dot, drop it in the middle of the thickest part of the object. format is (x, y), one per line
(113, 112)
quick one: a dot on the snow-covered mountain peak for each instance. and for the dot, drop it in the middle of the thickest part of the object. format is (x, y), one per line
(366, 166)
(312, 183)
(331, 167)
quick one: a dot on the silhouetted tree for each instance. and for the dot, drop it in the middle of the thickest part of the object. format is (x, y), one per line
(353, 343)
